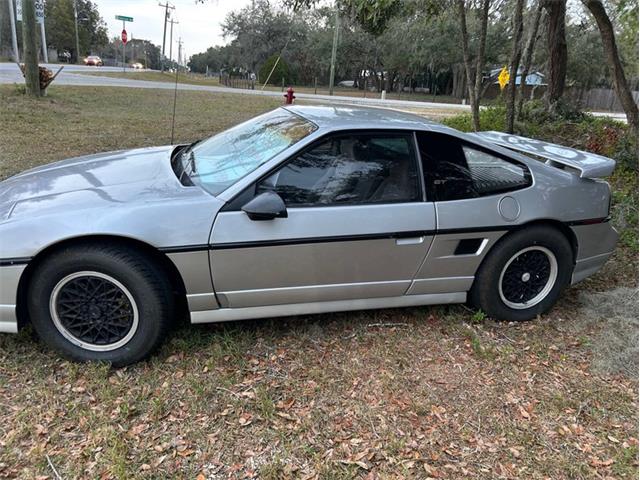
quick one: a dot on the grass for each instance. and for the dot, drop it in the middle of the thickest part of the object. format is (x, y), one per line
(74, 121)
(189, 78)
(438, 392)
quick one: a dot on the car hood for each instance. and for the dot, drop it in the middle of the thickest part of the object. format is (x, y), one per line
(103, 179)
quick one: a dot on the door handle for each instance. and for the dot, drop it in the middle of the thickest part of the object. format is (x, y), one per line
(409, 241)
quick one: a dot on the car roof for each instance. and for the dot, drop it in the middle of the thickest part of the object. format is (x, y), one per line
(347, 116)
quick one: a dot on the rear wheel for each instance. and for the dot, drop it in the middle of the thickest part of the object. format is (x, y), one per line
(524, 274)
(100, 303)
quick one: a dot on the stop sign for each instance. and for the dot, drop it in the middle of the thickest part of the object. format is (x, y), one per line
(124, 36)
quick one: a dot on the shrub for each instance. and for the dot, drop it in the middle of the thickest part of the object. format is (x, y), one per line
(279, 73)
(491, 118)
(564, 126)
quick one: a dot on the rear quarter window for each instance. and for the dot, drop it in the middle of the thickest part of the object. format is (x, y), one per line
(456, 170)
(491, 174)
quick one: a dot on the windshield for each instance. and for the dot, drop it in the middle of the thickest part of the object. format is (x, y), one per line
(222, 160)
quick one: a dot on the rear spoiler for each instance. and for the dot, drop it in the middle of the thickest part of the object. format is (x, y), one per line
(589, 165)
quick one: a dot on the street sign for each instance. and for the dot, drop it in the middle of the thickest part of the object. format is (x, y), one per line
(39, 4)
(124, 37)
(503, 78)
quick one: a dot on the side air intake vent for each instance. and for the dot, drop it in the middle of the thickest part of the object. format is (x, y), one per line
(468, 246)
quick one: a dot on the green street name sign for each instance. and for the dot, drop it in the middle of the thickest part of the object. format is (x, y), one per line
(124, 19)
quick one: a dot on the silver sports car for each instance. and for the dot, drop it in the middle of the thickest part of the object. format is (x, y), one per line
(301, 210)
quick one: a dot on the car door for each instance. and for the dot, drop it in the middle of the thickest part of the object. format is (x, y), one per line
(357, 226)
(475, 193)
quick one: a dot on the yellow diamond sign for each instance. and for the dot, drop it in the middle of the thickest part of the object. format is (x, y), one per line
(503, 78)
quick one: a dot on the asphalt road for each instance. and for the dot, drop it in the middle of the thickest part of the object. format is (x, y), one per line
(72, 75)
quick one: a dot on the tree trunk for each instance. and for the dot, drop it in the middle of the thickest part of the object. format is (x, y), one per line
(458, 77)
(528, 57)
(557, 47)
(484, 20)
(613, 59)
(516, 52)
(30, 48)
(474, 85)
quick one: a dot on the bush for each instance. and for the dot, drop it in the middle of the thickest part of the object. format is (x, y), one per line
(535, 111)
(491, 118)
(280, 73)
(564, 126)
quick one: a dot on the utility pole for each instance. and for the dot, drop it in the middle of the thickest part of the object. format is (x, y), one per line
(29, 44)
(43, 36)
(75, 16)
(166, 6)
(14, 37)
(172, 21)
(179, 52)
(334, 50)
(45, 53)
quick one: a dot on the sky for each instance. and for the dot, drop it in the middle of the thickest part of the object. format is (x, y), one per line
(199, 24)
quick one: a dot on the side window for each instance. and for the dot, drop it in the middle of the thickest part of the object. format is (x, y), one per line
(491, 174)
(455, 171)
(446, 172)
(350, 170)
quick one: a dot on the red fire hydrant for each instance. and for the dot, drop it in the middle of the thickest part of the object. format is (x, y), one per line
(289, 97)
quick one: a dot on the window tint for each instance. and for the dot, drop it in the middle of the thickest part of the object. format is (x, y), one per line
(491, 174)
(350, 170)
(454, 171)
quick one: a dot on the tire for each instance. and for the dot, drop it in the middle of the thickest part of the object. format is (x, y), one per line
(524, 274)
(100, 303)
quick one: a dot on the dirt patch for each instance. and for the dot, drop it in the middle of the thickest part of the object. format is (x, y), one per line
(615, 312)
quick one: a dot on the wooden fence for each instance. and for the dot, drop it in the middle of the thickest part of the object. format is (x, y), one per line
(604, 99)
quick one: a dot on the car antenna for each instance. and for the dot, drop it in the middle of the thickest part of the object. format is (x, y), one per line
(175, 93)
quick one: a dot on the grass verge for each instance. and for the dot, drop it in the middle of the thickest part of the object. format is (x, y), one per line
(189, 78)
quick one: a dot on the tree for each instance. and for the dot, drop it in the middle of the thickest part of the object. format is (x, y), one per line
(516, 52)
(474, 84)
(557, 50)
(626, 12)
(258, 31)
(92, 31)
(280, 71)
(528, 56)
(30, 48)
(613, 60)
(214, 60)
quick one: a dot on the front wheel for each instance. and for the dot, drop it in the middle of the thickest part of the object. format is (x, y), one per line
(524, 274)
(100, 303)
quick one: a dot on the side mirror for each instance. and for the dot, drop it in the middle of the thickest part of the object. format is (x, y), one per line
(266, 206)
